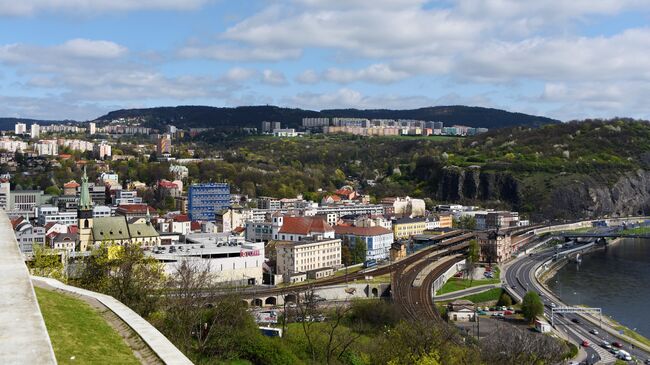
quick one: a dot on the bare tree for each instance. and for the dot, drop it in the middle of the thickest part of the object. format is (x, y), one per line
(516, 346)
(189, 294)
(338, 341)
(306, 307)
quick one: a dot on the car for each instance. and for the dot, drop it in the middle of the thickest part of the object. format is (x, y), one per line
(481, 313)
(617, 344)
(510, 309)
(606, 345)
(585, 343)
(553, 305)
(647, 362)
(593, 331)
(575, 320)
(614, 351)
(508, 313)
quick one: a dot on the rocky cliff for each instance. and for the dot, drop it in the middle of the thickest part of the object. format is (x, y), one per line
(580, 196)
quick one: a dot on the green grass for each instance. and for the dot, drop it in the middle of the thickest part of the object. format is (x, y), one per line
(486, 296)
(456, 284)
(639, 230)
(78, 330)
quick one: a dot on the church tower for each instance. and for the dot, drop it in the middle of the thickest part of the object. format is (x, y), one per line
(85, 214)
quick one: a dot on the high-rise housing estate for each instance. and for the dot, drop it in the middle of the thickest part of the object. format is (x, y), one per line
(164, 145)
(20, 128)
(92, 128)
(35, 132)
(205, 200)
(102, 150)
(315, 122)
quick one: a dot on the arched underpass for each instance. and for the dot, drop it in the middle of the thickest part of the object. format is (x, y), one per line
(271, 301)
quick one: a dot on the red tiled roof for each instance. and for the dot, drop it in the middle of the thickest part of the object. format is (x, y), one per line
(239, 229)
(135, 208)
(167, 184)
(195, 226)
(335, 198)
(73, 229)
(361, 231)
(16, 221)
(305, 225)
(182, 218)
(71, 184)
(344, 192)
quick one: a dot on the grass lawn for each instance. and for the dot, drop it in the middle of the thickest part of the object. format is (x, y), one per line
(78, 332)
(456, 284)
(486, 296)
(638, 230)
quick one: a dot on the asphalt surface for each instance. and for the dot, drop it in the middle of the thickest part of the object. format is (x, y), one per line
(519, 276)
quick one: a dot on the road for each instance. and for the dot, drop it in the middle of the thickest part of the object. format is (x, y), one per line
(520, 277)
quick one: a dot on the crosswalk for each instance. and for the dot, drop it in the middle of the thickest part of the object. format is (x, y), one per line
(606, 357)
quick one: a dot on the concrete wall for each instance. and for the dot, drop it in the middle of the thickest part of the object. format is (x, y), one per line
(23, 336)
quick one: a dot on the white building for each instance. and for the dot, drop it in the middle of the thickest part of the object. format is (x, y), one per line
(12, 145)
(50, 214)
(237, 263)
(287, 132)
(378, 240)
(20, 129)
(109, 177)
(102, 211)
(125, 197)
(35, 132)
(92, 128)
(102, 150)
(46, 148)
(307, 256)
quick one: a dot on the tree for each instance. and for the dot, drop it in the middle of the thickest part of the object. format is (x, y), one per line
(47, 262)
(53, 190)
(346, 254)
(465, 222)
(359, 251)
(473, 254)
(516, 346)
(126, 273)
(504, 300)
(532, 306)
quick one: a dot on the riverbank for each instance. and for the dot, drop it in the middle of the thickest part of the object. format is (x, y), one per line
(593, 283)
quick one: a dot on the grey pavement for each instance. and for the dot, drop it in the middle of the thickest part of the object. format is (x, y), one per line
(159, 344)
(23, 335)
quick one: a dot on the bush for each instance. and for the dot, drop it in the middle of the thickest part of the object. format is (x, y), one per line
(369, 315)
(505, 300)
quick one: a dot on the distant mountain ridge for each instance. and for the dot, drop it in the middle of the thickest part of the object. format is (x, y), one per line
(252, 116)
(7, 124)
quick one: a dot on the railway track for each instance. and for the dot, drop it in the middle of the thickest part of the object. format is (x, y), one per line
(417, 302)
(450, 242)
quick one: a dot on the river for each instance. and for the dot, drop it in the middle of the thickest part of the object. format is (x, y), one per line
(616, 279)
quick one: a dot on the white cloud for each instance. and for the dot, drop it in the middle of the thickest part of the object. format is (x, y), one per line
(30, 7)
(272, 77)
(238, 74)
(226, 52)
(308, 77)
(377, 73)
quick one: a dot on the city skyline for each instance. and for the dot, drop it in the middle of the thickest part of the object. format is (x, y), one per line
(79, 59)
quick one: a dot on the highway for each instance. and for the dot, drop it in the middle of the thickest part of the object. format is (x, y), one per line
(520, 278)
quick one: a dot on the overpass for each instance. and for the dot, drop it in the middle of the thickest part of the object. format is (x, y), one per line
(602, 235)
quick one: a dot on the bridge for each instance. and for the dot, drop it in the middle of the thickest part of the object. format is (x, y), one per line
(341, 286)
(602, 235)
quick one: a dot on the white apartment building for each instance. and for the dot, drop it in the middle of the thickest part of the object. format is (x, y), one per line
(307, 255)
(20, 129)
(48, 214)
(46, 148)
(35, 131)
(5, 194)
(12, 145)
(102, 150)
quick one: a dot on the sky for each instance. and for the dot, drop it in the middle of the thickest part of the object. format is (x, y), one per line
(78, 59)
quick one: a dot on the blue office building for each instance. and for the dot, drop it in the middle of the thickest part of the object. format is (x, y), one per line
(205, 200)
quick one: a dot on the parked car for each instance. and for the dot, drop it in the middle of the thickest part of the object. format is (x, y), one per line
(585, 343)
(508, 313)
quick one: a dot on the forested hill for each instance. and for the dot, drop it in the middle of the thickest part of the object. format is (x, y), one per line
(7, 124)
(252, 116)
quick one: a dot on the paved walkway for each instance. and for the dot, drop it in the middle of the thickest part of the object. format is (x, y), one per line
(465, 292)
(23, 335)
(164, 349)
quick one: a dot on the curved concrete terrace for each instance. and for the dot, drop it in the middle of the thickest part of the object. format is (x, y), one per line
(23, 335)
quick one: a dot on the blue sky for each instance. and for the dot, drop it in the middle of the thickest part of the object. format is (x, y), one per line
(568, 60)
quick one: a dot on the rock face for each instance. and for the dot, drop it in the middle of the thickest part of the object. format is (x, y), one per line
(584, 197)
(457, 184)
(630, 195)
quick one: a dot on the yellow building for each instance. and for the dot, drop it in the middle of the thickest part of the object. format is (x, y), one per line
(405, 228)
(446, 220)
